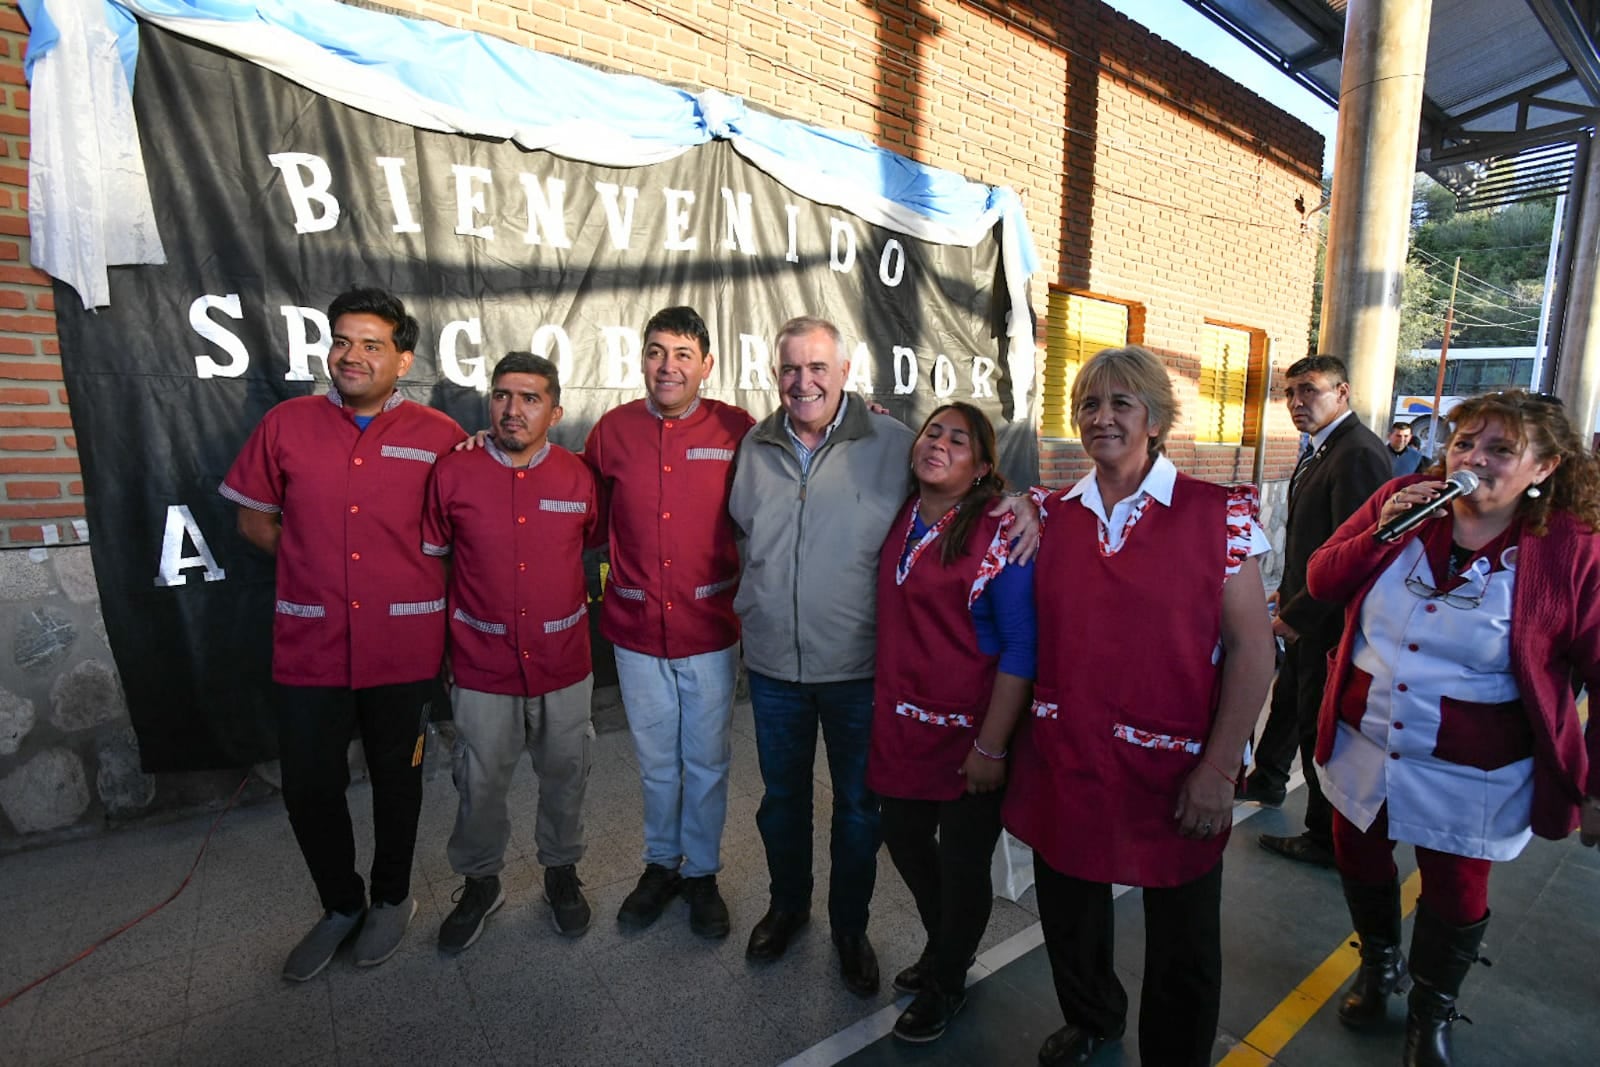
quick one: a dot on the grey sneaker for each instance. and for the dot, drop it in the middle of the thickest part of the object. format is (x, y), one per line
(476, 900)
(316, 949)
(567, 906)
(385, 926)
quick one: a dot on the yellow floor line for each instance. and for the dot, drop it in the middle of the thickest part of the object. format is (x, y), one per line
(1273, 1033)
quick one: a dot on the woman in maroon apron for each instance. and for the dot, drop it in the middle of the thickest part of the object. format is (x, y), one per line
(1154, 655)
(954, 670)
(1449, 721)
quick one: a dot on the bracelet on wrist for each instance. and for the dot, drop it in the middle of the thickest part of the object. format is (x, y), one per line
(1232, 776)
(986, 754)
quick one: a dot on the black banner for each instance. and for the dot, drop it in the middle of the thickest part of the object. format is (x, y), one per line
(272, 199)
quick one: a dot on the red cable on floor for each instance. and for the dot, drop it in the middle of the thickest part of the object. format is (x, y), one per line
(129, 925)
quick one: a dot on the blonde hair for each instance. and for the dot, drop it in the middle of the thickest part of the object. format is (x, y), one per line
(1140, 372)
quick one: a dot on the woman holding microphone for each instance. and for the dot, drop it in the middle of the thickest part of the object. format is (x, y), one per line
(1449, 721)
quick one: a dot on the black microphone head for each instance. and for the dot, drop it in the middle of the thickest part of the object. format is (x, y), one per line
(1465, 480)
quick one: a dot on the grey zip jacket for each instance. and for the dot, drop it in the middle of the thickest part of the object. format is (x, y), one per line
(808, 595)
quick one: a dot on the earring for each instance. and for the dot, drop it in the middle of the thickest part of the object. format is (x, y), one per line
(1534, 492)
(978, 480)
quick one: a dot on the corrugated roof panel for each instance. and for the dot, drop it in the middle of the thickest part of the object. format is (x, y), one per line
(1463, 73)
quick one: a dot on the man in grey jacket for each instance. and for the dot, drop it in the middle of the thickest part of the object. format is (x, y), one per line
(815, 487)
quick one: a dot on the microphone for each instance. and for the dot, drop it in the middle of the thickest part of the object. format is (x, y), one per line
(1461, 483)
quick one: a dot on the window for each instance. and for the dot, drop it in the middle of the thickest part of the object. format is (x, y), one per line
(1077, 328)
(1224, 383)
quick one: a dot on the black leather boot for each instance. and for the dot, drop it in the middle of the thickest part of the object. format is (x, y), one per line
(1375, 911)
(1441, 955)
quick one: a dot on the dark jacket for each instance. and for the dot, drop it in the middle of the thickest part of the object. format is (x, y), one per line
(1342, 474)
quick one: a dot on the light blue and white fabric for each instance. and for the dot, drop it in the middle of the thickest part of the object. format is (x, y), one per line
(434, 77)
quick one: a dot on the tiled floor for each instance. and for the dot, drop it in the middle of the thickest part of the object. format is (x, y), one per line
(198, 982)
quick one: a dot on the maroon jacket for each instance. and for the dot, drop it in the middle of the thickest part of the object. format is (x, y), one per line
(1555, 638)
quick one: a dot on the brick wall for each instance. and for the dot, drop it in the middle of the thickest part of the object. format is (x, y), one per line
(1147, 176)
(38, 455)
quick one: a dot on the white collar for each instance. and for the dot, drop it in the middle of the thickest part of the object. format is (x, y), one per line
(1158, 483)
(1320, 438)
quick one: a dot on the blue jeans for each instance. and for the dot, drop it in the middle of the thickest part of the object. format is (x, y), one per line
(786, 719)
(679, 711)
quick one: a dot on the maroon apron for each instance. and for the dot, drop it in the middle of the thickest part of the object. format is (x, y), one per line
(933, 685)
(1129, 676)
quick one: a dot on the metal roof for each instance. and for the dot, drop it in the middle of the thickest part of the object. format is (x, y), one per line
(1503, 76)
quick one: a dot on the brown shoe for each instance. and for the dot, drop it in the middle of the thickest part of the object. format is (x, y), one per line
(1303, 849)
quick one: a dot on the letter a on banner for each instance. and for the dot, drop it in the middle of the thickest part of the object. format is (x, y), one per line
(173, 562)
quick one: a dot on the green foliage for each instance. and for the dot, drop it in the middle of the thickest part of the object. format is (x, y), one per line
(1503, 255)
(1413, 375)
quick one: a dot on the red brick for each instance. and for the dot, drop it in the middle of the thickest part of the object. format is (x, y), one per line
(57, 420)
(33, 490)
(50, 346)
(26, 534)
(24, 396)
(29, 371)
(75, 488)
(10, 251)
(18, 346)
(59, 510)
(17, 176)
(40, 465)
(11, 19)
(44, 301)
(10, 298)
(28, 323)
(27, 442)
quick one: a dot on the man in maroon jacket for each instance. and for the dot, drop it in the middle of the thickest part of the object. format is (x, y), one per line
(664, 465)
(332, 486)
(514, 516)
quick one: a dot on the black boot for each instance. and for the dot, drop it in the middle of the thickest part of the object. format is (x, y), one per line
(1441, 955)
(1375, 911)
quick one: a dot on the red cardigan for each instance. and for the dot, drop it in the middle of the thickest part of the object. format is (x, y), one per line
(1555, 638)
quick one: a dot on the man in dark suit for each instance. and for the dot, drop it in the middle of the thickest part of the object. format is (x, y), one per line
(1342, 463)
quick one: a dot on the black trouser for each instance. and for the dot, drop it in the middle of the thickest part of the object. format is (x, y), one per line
(948, 876)
(1291, 725)
(1182, 962)
(315, 724)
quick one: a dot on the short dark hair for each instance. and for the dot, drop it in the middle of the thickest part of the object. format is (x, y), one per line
(528, 363)
(1330, 367)
(385, 305)
(683, 321)
(1399, 424)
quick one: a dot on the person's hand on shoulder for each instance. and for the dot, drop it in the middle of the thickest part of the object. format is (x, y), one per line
(477, 440)
(1025, 527)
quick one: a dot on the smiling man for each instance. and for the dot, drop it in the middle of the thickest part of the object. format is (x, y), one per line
(817, 485)
(1342, 463)
(333, 487)
(664, 465)
(514, 517)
